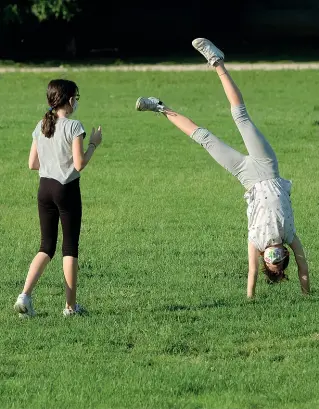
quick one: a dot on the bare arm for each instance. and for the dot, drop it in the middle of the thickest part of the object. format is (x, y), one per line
(34, 163)
(253, 261)
(81, 158)
(302, 264)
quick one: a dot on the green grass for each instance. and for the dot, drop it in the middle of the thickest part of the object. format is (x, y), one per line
(163, 260)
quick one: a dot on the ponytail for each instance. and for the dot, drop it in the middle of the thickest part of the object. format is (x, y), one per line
(48, 123)
(59, 93)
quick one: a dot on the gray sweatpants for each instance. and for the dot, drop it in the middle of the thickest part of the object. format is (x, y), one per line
(260, 163)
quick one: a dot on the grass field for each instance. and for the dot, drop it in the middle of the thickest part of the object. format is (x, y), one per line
(163, 260)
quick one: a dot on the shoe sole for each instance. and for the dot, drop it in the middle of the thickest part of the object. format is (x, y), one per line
(217, 52)
(138, 105)
(24, 316)
(22, 310)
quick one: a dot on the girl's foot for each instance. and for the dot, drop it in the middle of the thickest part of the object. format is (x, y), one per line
(208, 50)
(24, 306)
(78, 310)
(149, 104)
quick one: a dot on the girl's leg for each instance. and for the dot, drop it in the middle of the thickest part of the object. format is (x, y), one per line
(255, 142)
(223, 154)
(232, 92)
(70, 268)
(49, 221)
(23, 305)
(227, 157)
(181, 122)
(70, 208)
(36, 269)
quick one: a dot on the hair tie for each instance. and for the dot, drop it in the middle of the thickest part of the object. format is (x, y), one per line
(50, 109)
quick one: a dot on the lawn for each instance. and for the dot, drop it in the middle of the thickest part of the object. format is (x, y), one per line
(163, 254)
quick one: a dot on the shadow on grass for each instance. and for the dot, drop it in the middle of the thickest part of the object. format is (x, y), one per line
(204, 306)
(43, 314)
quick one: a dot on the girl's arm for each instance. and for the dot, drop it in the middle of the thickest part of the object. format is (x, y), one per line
(81, 158)
(302, 264)
(253, 261)
(34, 163)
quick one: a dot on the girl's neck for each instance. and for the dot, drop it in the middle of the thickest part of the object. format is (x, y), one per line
(62, 113)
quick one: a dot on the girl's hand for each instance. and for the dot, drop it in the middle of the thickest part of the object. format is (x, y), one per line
(96, 136)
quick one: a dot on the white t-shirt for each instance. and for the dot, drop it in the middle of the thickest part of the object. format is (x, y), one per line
(269, 212)
(55, 153)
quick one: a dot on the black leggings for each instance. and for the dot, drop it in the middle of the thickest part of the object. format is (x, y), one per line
(60, 201)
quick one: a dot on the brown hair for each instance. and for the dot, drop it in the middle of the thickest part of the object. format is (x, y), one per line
(59, 93)
(273, 277)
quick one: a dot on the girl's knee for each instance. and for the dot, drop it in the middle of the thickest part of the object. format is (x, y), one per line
(201, 135)
(49, 250)
(239, 113)
(71, 250)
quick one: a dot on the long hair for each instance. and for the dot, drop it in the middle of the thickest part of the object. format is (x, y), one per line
(273, 277)
(59, 93)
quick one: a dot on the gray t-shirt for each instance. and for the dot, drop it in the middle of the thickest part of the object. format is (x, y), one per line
(55, 153)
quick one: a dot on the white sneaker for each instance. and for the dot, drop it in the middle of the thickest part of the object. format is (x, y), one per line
(208, 50)
(67, 312)
(24, 306)
(149, 104)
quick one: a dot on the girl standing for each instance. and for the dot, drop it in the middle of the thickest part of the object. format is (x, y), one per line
(57, 152)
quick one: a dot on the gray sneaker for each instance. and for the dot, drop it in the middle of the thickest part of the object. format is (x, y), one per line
(68, 312)
(149, 104)
(24, 306)
(208, 50)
